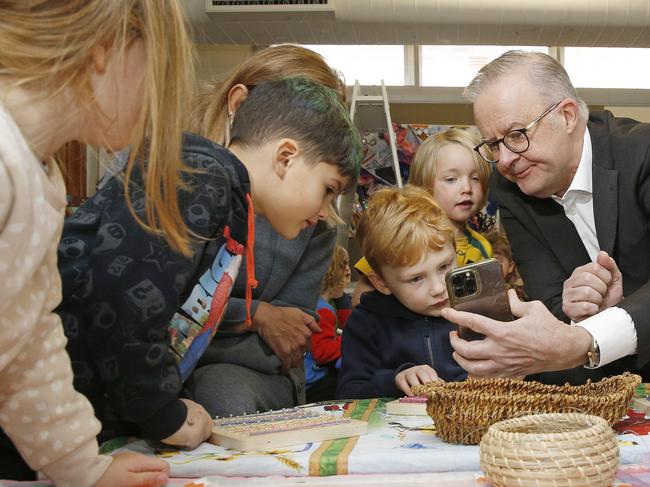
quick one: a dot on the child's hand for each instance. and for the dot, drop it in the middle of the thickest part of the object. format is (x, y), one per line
(414, 376)
(135, 470)
(196, 429)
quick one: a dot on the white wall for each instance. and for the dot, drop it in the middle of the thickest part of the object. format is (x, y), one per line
(215, 61)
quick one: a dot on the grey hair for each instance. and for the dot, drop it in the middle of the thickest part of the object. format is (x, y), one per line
(544, 72)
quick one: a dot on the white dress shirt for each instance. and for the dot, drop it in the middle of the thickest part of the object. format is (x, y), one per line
(612, 328)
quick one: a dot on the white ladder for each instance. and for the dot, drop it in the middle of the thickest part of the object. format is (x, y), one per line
(370, 113)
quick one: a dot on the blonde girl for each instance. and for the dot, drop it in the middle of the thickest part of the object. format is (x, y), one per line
(105, 73)
(447, 164)
(337, 275)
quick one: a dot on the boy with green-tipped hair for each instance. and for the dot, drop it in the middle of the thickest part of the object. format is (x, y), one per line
(139, 316)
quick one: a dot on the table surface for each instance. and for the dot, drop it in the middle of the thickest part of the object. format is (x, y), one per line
(397, 451)
(394, 445)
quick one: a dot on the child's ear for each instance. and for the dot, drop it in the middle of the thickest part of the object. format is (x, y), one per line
(236, 96)
(379, 284)
(286, 151)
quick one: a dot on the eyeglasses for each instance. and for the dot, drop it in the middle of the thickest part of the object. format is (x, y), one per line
(516, 141)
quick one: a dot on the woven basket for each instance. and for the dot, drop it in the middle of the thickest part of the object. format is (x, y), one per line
(572, 450)
(463, 411)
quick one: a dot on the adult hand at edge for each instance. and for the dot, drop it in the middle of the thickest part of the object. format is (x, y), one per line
(535, 342)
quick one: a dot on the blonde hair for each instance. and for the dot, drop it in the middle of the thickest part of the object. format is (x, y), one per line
(542, 70)
(400, 226)
(47, 46)
(424, 167)
(209, 114)
(335, 274)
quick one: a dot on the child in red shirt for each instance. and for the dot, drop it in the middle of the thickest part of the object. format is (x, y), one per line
(334, 306)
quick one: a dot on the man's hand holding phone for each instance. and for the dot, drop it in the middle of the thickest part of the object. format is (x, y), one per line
(535, 342)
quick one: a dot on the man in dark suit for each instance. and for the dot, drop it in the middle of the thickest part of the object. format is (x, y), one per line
(574, 197)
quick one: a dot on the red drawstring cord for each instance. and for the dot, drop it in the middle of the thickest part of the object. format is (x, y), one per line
(251, 282)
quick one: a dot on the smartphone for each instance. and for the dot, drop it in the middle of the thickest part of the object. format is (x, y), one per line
(478, 288)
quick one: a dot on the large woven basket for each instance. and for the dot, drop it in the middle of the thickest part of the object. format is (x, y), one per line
(572, 450)
(463, 411)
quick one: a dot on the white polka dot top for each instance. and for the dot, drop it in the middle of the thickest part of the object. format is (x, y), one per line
(51, 424)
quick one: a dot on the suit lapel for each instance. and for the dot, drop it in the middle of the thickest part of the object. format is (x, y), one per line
(605, 189)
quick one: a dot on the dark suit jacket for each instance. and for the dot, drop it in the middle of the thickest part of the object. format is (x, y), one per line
(546, 245)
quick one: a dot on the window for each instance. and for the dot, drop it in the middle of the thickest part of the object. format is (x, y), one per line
(608, 67)
(367, 63)
(457, 65)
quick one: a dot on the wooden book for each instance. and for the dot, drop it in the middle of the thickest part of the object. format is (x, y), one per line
(277, 429)
(408, 406)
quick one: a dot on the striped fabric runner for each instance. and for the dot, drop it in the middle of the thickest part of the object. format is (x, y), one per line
(331, 458)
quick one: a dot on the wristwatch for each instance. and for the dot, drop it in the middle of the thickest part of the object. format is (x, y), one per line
(593, 355)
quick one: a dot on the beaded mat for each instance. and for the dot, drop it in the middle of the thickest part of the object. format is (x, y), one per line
(287, 427)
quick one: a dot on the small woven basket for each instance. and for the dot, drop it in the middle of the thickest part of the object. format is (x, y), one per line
(463, 411)
(572, 450)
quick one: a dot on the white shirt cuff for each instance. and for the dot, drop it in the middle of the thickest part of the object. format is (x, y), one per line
(614, 332)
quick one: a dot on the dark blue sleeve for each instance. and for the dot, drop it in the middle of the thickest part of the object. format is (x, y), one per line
(362, 374)
(121, 292)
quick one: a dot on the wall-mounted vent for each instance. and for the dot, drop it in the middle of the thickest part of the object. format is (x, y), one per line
(226, 3)
(275, 10)
(613, 23)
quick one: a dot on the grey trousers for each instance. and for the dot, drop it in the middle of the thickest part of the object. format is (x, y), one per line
(241, 375)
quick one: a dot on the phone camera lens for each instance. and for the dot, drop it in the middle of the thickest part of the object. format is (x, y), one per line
(458, 285)
(471, 287)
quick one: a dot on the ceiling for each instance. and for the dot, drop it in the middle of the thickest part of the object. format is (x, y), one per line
(605, 23)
